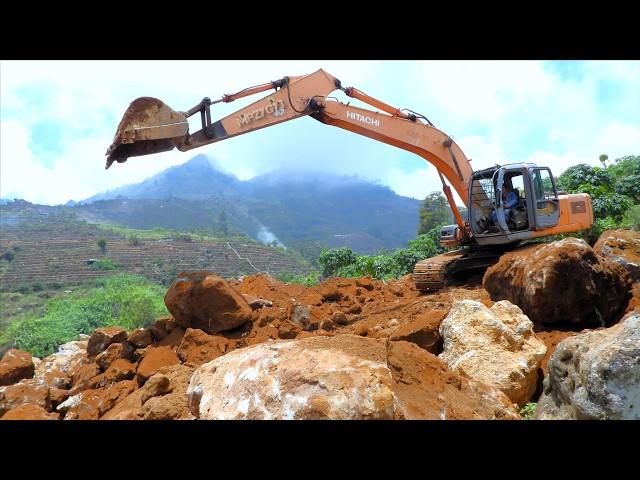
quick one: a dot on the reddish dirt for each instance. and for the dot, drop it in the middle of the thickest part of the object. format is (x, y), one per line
(429, 390)
(551, 340)
(29, 411)
(153, 360)
(634, 303)
(406, 320)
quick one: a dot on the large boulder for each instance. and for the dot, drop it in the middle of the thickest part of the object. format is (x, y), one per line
(338, 377)
(57, 370)
(316, 378)
(205, 301)
(595, 375)
(562, 282)
(623, 248)
(494, 345)
(16, 365)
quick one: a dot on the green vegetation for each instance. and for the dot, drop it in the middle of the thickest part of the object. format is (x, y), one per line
(528, 411)
(222, 223)
(632, 217)
(344, 262)
(135, 236)
(134, 240)
(102, 244)
(105, 264)
(124, 300)
(434, 211)
(614, 190)
(308, 280)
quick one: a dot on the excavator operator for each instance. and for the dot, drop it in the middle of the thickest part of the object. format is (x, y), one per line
(509, 199)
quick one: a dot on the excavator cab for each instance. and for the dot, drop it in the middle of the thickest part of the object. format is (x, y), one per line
(509, 202)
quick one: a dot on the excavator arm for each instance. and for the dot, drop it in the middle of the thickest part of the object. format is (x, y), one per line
(149, 126)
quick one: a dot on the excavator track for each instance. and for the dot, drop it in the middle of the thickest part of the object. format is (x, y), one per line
(437, 272)
(430, 274)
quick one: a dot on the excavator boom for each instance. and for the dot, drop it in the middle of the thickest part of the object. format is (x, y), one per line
(149, 126)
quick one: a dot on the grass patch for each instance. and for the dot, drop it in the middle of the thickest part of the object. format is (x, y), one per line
(124, 300)
(528, 411)
(310, 279)
(105, 264)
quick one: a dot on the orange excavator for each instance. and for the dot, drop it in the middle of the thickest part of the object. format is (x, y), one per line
(504, 204)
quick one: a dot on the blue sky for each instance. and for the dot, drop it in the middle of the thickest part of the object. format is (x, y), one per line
(57, 118)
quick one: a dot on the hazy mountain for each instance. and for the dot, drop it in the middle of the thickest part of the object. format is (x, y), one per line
(193, 180)
(289, 206)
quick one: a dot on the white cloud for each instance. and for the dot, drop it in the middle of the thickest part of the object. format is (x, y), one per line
(498, 112)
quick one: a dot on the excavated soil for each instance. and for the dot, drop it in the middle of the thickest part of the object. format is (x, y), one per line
(151, 381)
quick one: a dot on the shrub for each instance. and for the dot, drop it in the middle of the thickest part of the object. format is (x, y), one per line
(332, 260)
(105, 264)
(632, 217)
(307, 280)
(343, 262)
(102, 244)
(125, 300)
(134, 240)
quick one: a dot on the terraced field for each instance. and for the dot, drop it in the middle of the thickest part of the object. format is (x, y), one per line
(50, 249)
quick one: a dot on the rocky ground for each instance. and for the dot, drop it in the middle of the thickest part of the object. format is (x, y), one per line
(557, 324)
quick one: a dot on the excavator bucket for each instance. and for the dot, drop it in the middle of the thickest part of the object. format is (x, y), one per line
(148, 126)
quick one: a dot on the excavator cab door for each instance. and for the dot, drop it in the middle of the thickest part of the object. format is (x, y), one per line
(545, 195)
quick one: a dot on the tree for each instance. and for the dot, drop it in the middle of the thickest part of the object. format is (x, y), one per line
(331, 261)
(603, 160)
(435, 210)
(102, 243)
(222, 223)
(573, 177)
(626, 173)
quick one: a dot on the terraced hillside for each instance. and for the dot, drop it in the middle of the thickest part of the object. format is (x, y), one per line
(49, 247)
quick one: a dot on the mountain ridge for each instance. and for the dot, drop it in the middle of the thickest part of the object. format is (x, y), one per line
(289, 206)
